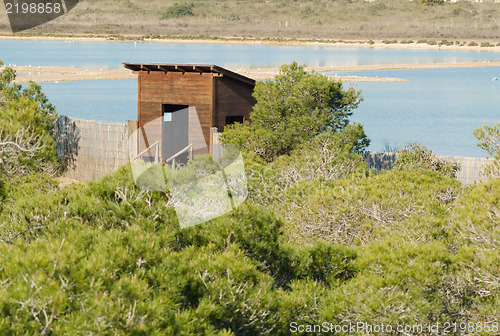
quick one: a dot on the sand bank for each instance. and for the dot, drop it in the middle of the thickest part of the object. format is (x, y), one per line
(56, 74)
(26, 74)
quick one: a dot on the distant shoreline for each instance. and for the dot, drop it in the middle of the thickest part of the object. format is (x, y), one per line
(56, 74)
(59, 74)
(362, 43)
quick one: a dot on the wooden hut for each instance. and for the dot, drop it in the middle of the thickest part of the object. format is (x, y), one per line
(217, 95)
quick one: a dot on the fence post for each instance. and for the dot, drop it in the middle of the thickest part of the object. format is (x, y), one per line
(214, 139)
(157, 153)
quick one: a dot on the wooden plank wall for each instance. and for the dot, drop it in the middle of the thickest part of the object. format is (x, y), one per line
(234, 98)
(177, 88)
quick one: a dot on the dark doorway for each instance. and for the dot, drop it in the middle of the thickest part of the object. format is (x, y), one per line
(234, 119)
(175, 131)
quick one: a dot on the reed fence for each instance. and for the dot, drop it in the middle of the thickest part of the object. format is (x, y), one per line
(92, 149)
(470, 167)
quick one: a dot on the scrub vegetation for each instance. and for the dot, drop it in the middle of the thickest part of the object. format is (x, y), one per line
(320, 239)
(464, 21)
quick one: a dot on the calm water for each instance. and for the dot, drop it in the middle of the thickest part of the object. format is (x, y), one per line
(439, 107)
(104, 100)
(112, 54)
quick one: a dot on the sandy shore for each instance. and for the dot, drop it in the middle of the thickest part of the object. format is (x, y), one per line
(373, 67)
(57, 74)
(26, 74)
(267, 73)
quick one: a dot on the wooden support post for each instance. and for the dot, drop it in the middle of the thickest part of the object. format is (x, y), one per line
(157, 153)
(213, 132)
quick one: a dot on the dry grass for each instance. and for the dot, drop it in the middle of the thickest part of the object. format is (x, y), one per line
(318, 19)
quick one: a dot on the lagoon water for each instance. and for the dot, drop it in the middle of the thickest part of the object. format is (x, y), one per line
(438, 107)
(110, 55)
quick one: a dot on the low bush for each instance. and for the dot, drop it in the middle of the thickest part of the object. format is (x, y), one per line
(292, 109)
(178, 11)
(414, 156)
(476, 217)
(489, 140)
(26, 128)
(330, 156)
(362, 210)
(110, 257)
(432, 2)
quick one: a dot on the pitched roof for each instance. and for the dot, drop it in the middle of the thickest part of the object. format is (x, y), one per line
(200, 68)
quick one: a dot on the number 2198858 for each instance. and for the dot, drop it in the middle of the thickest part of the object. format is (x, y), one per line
(33, 8)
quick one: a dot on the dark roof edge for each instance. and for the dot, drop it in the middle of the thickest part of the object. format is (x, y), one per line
(203, 68)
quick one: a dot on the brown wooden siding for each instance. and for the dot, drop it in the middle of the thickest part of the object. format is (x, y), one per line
(176, 88)
(204, 93)
(234, 98)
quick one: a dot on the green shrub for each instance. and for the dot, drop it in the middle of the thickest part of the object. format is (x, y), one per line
(415, 156)
(307, 12)
(330, 156)
(489, 140)
(327, 263)
(361, 210)
(432, 2)
(472, 44)
(486, 44)
(178, 11)
(111, 258)
(408, 284)
(3, 194)
(26, 118)
(292, 109)
(476, 217)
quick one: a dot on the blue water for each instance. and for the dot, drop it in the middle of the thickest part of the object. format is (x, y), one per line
(112, 54)
(438, 107)
(102, 100)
